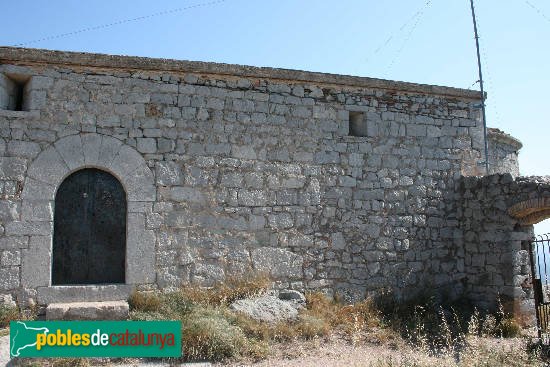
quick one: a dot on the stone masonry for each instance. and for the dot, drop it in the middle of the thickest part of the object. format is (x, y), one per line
(493, 243)
(342, 184)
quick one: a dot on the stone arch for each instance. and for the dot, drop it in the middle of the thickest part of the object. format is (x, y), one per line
(531, 211)
(51, 167)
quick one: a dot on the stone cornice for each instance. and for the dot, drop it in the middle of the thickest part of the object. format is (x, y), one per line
(29, 56)
(501, 137)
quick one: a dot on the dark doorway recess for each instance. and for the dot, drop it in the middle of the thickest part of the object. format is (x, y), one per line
(89, 241)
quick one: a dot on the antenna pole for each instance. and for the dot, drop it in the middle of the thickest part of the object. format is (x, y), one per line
(481, 87)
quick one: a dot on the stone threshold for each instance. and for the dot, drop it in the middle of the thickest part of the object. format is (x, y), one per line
(107, 310)
(83, 293)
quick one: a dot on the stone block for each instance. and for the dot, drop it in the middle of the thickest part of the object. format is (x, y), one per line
(147, 145)
(256, 222)
(231, 180)
(10, 258)
(207, 274)
(9, 211)
(243, 152)
(281, 221)
(347, 181)
(178, 219)
(165, 145)
(338, 241)
(169, 173)
(140, 258)
(36, 262)
(23, 149)
(215, 149)
(9, 278)
(287, 197)
(187, 194)
(49, 167)
(40, 82)
(127, 161)
(12, 168)
(416, 130)
(279, 263)
(7, 243)
(37, 211)
(232, 223)
(108, 151)
(37, 190)
(292, 182)
(107, 310)
(29, 228)
(70, 149)
(91, 147)
(301, 241)
(83, 293)
(139, 184)
(252, 198)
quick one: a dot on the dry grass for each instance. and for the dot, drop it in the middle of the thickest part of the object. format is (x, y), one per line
(437, 333)
(52, 362)
(7, 314)
(348, 318)
(231, 290)
(208, 334)
(10, 313)
(380, 332)
(209, 330)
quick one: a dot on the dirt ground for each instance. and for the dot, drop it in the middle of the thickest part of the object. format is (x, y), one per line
(338, 351)
(335, 351)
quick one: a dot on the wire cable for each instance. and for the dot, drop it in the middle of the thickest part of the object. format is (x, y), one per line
(408, 37)
(119, 22)
(541, 13)
(403, 26)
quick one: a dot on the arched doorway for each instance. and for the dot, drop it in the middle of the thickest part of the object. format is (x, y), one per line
(531, 211)
(89, 240)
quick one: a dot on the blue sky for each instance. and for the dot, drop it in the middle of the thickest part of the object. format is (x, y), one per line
(410, 40)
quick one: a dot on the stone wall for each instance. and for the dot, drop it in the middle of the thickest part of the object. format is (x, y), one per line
(503, 152)
(252, 169)
(493, 249)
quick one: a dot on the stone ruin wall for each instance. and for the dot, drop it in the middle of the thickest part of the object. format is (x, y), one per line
(503, 152)
(254, 170)
(494, 239)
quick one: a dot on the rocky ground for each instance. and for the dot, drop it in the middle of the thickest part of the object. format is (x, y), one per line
(336, 351)
(4, 350)
(244, 324)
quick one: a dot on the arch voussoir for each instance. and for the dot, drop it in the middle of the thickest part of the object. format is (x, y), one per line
(531, 211)
(91, 146)
(48, 167)
(70, 149)
(126, 161)
(108, 151)
(53, 165)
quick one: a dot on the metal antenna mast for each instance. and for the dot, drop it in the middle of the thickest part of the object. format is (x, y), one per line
(482, 92)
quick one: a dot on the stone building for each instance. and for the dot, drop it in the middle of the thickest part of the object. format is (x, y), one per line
(124, 172)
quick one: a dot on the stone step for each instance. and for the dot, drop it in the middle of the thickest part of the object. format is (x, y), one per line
(108, 310)
(83, 293)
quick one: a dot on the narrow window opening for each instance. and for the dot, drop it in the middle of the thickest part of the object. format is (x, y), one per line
(13, 92)
(357, 124)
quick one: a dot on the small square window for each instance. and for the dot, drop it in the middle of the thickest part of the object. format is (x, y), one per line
(13, 92)
(357, 124)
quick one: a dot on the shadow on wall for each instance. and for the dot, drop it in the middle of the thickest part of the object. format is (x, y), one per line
(496, 217)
